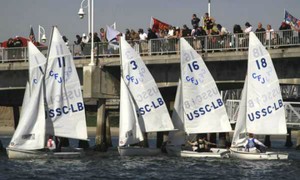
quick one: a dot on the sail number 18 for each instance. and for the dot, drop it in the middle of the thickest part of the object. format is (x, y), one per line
(262, 63)
(258, 52)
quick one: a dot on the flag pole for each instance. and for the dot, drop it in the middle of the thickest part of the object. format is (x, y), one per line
(151, 20)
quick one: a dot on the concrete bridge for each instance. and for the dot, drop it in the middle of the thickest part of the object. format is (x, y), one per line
(101, 83)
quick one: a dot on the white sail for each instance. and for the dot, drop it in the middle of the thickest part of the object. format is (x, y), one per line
(30, 133)
(204, 110)
(239, 136)
(177, 137)
(63, 92)
(144, 90)
(37, 62)
(265, 110)
(130, 132)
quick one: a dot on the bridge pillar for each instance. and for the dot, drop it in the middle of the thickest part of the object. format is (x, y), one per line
(289, 142)
(107, 132)
(100, 144)
(267, 141)
(16, 112)
(298, 140)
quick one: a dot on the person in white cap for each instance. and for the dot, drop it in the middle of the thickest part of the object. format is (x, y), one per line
(85, 39)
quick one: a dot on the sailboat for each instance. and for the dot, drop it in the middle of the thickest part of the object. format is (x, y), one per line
(198, 106)
(52, 105)
(261, 109)
(142, 108)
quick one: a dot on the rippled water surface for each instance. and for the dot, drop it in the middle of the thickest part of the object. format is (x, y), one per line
(111, 166)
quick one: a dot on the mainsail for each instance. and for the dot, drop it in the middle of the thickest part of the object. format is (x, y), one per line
(239, 136)
(30, 133)
(265, 110)
(261, 108)
(177, 137)
(130, 132)
(151, 105)
(63, 92)
(204, 110)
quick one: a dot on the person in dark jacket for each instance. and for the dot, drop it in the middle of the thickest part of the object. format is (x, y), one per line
(287, 32)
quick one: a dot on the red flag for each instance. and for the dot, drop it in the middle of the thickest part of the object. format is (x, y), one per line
(159, 25)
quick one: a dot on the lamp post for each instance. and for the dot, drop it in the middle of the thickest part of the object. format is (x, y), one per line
(208, 8)
(81, 14)
(42, 31)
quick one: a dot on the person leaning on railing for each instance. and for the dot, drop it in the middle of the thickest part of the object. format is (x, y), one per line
(287, 33)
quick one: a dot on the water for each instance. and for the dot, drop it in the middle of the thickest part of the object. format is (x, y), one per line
(111, 166)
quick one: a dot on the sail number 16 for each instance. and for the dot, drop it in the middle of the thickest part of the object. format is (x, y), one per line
(193, 66)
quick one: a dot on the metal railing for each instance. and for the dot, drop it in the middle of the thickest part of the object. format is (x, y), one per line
(292, 112)
(160, 46)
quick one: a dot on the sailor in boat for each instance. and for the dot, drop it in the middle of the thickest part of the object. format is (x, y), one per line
(254, 145)
(201, 145)
(51, 144)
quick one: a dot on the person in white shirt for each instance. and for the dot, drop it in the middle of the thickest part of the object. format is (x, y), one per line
(143, 40)
(248, 28)
(270, 35)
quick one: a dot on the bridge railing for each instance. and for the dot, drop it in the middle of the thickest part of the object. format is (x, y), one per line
(160, 46)
(292, 112)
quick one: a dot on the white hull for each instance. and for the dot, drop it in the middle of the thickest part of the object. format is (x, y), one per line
(239, 153)
(138, 151)
(43, 154)
(215, 152)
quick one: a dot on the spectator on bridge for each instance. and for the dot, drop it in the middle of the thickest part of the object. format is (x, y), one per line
(248, 28)
(297, 29)
(10, 48)
(260, 32)
(18, 44)
(198, 34)
(97, 42)
(77, 48)
(238, 35)
(66, 41)
(143, 41)
(287, 32)
(134, 35)
(151, 34)
(223, 32)
(104, 44)
(208, 23)
(185, 32)
(195, 20)
(84, 40)
(270, 35)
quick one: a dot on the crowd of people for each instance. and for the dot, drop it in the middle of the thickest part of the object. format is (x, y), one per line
(218, 37)
(207, 27)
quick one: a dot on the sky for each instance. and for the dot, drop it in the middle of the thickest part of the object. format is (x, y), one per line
(16, 16)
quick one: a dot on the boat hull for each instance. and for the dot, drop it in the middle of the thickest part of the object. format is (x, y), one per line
(138, 151)
(215, 152)
(239, 154)
(43, 154)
